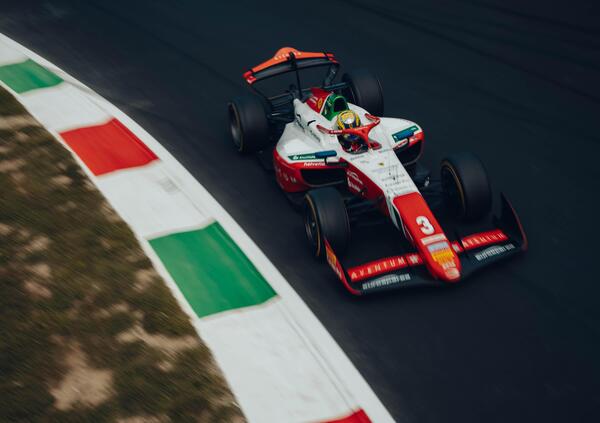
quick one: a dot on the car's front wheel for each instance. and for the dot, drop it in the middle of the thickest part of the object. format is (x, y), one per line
(466, 186)
(325, 217)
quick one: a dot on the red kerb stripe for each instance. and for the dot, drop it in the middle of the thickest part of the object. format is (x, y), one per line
(108, 147)
(357, 417)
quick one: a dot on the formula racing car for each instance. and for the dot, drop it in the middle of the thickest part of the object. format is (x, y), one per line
(346, 166)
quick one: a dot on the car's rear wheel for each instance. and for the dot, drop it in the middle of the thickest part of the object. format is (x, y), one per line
(466, 186)
(248, 124)
(364, 90)
(325, 217)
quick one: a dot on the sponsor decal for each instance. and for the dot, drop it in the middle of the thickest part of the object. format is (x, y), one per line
(414, 259)
(443, 255)
(493, 251)
(483, 238)
(377, 267)
(386, 280)
(314, 164)
(307, 156)
(354, 175)
(438, 246)
(385, 265)
(401, 144)
(354, 182)
(433, 238)
(320, 103)
(283, 176)
(354, 187)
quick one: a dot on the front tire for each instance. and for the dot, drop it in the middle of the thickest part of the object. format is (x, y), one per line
(364, 90)
(325, 217)
(248, 124)
(466, 186)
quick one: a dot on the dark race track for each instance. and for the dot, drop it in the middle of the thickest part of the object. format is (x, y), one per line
(517, 84)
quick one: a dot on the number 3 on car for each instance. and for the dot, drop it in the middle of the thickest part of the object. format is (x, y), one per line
(425, 225)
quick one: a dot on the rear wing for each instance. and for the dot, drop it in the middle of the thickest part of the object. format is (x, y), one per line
(288, 59)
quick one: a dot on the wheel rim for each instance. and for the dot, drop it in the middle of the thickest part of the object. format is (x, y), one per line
(235, 127)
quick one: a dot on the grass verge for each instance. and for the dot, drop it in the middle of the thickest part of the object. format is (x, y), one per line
(88, 330)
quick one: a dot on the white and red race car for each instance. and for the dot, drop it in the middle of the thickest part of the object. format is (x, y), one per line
(342, 185)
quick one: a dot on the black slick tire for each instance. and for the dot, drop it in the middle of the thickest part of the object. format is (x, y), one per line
(466, 186)
(248, 124)
(364, 90)
(325, 217)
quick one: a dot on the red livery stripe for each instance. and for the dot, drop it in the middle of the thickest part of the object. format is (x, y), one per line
(108, 147)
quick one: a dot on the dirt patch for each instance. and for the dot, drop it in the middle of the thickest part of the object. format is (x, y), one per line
(37, 290)
(16, 122)
(82, 385)
(166, 344)
(65, 207)
(42, 270)
(61, 180)
(7, 166)
(89, 331)
(5, 229)
(39, 243)
(144, 278)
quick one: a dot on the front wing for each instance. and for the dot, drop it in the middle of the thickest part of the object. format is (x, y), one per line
(476, 251)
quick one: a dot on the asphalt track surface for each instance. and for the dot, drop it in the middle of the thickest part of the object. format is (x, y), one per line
(516, 84)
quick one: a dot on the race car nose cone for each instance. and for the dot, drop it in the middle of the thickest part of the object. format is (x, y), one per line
(453, 274)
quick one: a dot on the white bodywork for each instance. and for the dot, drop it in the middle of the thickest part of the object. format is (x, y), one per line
(381, 166)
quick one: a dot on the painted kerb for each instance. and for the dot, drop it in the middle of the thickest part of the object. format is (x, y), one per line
(280, 361)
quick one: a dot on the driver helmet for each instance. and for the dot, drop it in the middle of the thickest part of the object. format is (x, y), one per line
(348, 119)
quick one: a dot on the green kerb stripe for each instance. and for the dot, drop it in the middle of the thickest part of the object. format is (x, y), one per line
(211, 271)
(27, 76)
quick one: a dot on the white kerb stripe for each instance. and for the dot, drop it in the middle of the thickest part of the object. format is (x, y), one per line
(63, 107)
(9, 55)
(271, 372)
(150, 202)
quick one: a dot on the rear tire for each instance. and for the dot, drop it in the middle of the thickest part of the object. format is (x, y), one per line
(248, 124)
(364, 90)
(466, 186)
(325, 217)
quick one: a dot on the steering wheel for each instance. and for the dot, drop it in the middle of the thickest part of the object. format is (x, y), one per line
(361, 131)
